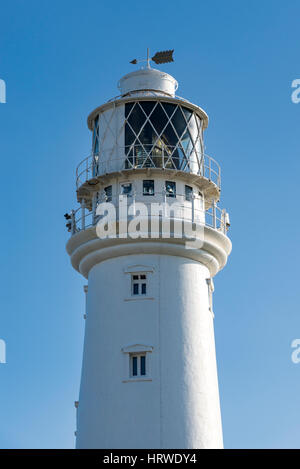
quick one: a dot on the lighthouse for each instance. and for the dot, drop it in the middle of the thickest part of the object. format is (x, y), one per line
(148, 236)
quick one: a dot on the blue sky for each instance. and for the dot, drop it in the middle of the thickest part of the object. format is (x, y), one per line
(237, 60)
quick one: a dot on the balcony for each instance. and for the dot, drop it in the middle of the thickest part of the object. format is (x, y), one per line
(142, 157)
(186, 211)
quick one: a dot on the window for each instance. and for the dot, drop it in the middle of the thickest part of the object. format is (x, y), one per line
(108, 193)
(139, 284)
(126, 188)
(137, 365)
(188, 193)
(148, 187)
(200, 200)
(170, 188)
(161, 134)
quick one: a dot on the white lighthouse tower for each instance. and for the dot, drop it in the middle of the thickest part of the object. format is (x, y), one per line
(149, 374)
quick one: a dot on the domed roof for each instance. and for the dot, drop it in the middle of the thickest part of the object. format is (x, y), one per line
(148, 79)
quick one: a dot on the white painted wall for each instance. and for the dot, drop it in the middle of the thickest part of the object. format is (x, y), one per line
(111, 139)
(186, 208)
(179, 407)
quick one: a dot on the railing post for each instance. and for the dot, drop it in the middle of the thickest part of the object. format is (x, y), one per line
(73, 222)
(193, 208)
(94, 206)
(224, 221)
(94, 169)
(83, 214)
(214, 214)
(164, 193)
(133, 202)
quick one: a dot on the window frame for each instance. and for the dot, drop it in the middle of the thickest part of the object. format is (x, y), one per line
(138, 357)
(140, 281)
(137, 350)
(139, 269)
(108, 198)
(168, 193)
(148, 194)
(188, 196)
(123, 184)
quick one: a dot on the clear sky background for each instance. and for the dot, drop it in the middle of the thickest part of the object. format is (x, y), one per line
(237, 60)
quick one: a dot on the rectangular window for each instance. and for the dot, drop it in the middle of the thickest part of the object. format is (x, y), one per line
(143, 365)
(188, 193)
(139, 284)
(134, 363)
(137, 365)
(170, 188)
(126, 188)
(148, 187)
(201, 200)
(108, 193)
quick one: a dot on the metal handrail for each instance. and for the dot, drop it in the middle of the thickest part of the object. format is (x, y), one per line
(137, 157)
(214, 217)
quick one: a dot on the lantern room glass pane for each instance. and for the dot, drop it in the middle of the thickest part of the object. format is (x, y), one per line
(129, 136)
(159, 119)
(159, 134)
(147, 106)
(179, 122)
(128, 108)
(187, 113)
(136, 118)
(169, 108)
(96, 135)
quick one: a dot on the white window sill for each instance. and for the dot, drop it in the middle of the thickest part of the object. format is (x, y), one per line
(138, 298)
(135, 380)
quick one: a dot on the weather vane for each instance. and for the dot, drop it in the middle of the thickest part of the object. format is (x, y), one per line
(162, 57)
